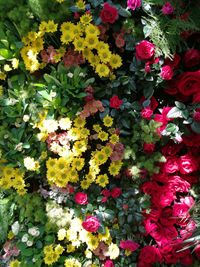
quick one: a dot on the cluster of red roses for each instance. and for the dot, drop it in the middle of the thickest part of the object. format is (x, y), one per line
(169, 222)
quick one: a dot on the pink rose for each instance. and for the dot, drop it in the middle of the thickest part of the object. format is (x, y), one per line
(109, 263)
(145, 50)
(133, 4)
(91, 224)
(115, 102)
(177, 184)
(167, 9)
(166, 72)
(196, 115)
(187, 164)
(162, 197)
(116, 192)
(129, 245)
(81, 198)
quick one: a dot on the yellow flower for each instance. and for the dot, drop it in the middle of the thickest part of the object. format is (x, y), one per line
(91, 41)
(92, 242)
(66, 27)
(79, 44)
(114, 138)
(61, 164)
(93, 59)
(42, 27)
(97, 128)
(113, 251)
(85, 184)
(87, 53)
(86, 19)
(100, 157)
(115, 61)
(128, 252)
(32, 36)
(73, 176)
(102, 70)
(78, 163)
(79, 122)
(38, 44)
(15, 63)
(102, 46)
(7, 68)
(51, 163)
(104, 55)
(80, 146)
(84, 133)
(10, 235)
(107, 150)
(30, 164)
(80, 4)
(114, 169)
(70, 248)
(103, 136)
(14, 263)
(66, 37)
(72, 262)
(59, 249)
(51, 26)
(102, 180)
(105, 236)
(2, 76)
(61, 234)
(92, 29)
(108, 121)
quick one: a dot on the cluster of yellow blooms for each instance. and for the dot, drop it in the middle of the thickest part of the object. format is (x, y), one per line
(12, 178)
(85, 38)
(14, 263)
(52, 253)
(66, 168)
(14, 63)
(75, 236)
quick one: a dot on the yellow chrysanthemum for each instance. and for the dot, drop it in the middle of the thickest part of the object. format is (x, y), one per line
(43, 26)
(51, 163)
(78, 163)
(91, 41)
(114, 138)
(105, 55)
(108, 121)
(66, 27)
(87, 53)
(2, 76)
(114, 169)
(86, 19)
(97, 128)
(93, 59)
(14, 263)
(70, 248)
(72, 262)
(107, 150)
(79, 122)
(92, 242)
(102, 180)
(100, 157)
(66, 37)
(92, 29)
(103, 136)
(102, 70)
(32, 36)
(80, 4)
(61, 234)
(79, 44)
(59, 249)
(85, 184)
(115, 61)
(15, 63)
(80, 146)
(105, 236)
(102, 46)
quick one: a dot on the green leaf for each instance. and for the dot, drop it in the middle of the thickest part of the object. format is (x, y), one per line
(123, 12)
(5, 54)
(172, 128)
(45, 95)
(175, 113)
(27, 252)
(196, 127)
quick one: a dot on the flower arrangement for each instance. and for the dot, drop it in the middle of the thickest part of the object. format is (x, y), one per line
(100, 131)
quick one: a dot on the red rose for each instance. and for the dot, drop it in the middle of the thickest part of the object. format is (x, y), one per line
(180, 210)
(166, 217)
(196, 115)
(109, 13)
(145, 50)
(197, 251)
(191, 58)
(109, 263)
(146, 113)
(116, 192)
(162, 197)
(91, 224)
(150, 255)
(188, 83)
(166, 72)
(129, 245)
(174, 63)
(171, 165)
(115, 102)
(105, 192)
(81, 198)
(148, 148)
(187, 164)
(189, 229)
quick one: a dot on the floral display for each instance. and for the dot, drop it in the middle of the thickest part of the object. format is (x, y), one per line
(100, 133)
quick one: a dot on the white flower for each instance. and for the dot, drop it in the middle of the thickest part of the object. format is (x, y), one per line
(53, 94)
(65, 123)
(33, 231)
(30, 164)
(70, 75)
(29, 243)
(50, 125)
(15, 228)
(19, 146)
(81, 74)
(26, 118)
(25, 238)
